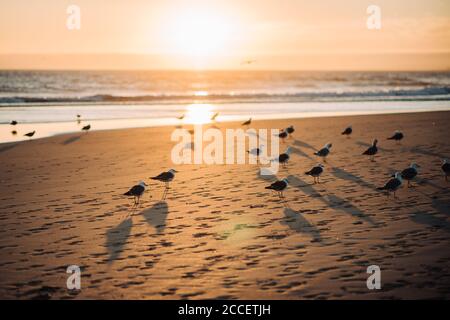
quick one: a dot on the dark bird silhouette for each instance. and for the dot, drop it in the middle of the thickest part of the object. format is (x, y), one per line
(86, 128)
(247, 123)
(324, 152)
(290, 130)
(283, 135)
(14, 132)
(136, 192)
(78, 116)
(348, 131)
(410, 173)
(165, 177)
(446, 168)
(13, 123)
(316, 172)
(283, 158)
(372, 150)
(279, 186)
(213, 118)
(397, 136)
(393, 184)
(256, 151)
(30, 134)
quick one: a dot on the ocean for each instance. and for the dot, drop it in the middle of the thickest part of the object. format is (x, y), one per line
(48, 101)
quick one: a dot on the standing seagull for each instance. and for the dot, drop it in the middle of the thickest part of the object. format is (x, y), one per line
(136, 191)
(446, 168)
(282, 135)
(316, 172)
(279, 186)
(30, 134)
(165, 177)
(372, 150)
(393, 184)
(13, 123)
(284, 157)
(86, 128)
(290, 130)
(247, 123)
(397, 136)
(324, 151)
(348, 131)
(410, 173)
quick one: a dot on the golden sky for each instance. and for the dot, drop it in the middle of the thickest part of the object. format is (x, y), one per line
(220, 34)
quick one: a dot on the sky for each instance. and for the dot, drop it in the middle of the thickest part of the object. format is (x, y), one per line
(222, 34)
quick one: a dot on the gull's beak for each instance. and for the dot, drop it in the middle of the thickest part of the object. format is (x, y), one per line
(418, 166)
(145, 184)
(175, 170)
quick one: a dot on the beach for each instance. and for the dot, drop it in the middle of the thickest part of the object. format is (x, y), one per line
(219, 234)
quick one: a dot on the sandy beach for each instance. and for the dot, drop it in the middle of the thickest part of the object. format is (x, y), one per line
(219, 233)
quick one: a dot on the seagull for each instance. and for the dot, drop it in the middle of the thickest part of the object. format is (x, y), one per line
(290, 130)
(78, 116)
(316, 172)
(284, 157)
(30, 134)
(348, 131)
(397, 136)
(136, 191)
(372, 150)
(410, 173)
(14, 132)
(165, 177)
(282, 135)
(446, 168)
(393, 184)
(324, 151)
(279, 186)
(86, 128)
(247, 62)
(213, 118)
(13, 123)
(181, 117)
(246, 123)
(256, 151)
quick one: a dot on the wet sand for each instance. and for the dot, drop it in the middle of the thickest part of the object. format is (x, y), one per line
(219, 233)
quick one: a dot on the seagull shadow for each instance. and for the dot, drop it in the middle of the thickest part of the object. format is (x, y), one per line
(299, 143)
(156, 216)
(424, 152)
(331, 200)
(116, 238)
(345, 175)
(8, 147)
(443, 206)
(71, 140)
(300, 152)
(298, 223)
(431, 220)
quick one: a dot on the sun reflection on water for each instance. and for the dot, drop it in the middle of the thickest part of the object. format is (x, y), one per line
(199, 113)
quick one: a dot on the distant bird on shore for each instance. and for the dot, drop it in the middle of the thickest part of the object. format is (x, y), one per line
(213, 118)
(446, 168)
(247, 123)
(181, 117)
(290, 130)
(410, 173)
(372, 150)
(347, 132)
(256, 151)
(283, 158)
(13, 123)
(324, 152)
(283, 135)
(165, 177)
(279, 186)
(78, 116)
(86, 128)
(30, 134)
(316, 172)
(393, 184)
(14, 132)
(247, 62)
(397, 136)
(136, 191)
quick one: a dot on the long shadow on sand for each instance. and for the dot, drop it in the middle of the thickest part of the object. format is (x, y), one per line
(421, 151)
(303, 144)
(431, 220)
(297, 222)
(8, 147)
(156, 215)
(71, 140)
(116, 238)
(345, 175)
(300, 152)
(330, 199)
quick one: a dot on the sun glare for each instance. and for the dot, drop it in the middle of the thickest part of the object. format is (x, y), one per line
(199, 33)
(199, 113)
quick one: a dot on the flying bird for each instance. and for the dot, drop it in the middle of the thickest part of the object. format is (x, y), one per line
(324, 151)
(213, 118)
(316, 172)
(30, 134)
(397, 136)
(348, 131)
(410, 173)
(13, 123)
(136, 192)
(372, 150)
(446, 168)
(247, 123)
(393, 184)
(290, 130)
(181, 117)
(279, 186)
(86, 128)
